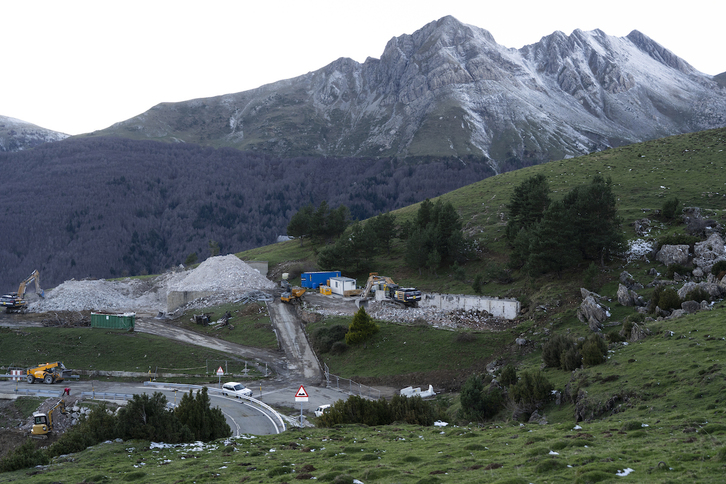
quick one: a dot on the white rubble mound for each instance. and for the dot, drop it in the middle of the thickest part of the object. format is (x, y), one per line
(227, 276)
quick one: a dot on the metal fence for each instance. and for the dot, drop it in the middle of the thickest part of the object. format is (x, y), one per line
(346, 385)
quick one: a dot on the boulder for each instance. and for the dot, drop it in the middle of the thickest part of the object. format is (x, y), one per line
(708, 252)
(627, 280)
(591, 312)
(713, 289)
(638, 332)
(690, 307)
(625, 296)
(673, 254)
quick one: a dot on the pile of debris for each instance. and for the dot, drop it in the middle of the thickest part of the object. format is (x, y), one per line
(228, 278)
(437, 318)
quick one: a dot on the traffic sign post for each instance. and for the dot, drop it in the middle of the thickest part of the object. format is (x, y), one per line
(301, 396)
(220, 374)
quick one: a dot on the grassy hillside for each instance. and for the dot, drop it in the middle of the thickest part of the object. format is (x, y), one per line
(653, 412)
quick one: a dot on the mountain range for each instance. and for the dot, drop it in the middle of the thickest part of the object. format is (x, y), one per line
(442, 108)
(17, 135)
(449, 90)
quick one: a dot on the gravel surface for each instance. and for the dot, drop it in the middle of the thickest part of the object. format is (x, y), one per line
(227, 276)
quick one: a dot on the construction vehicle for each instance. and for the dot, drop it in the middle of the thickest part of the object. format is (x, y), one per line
(43, 422)
(291, 294)
(47, 373)
(15, 301)
(387, 290)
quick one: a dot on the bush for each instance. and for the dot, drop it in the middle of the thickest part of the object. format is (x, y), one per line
(553, 349)
(479, 400)
(358, 410)
(324, 338)
(698, 294)
(615, 336)
(508, 376)
(678, 239)
(664, 298)
(338, 348)
(23, 457)
(719, 268)
(532, 389)
(669, 209)
(672, 269)
(594, 350)
(570, 359)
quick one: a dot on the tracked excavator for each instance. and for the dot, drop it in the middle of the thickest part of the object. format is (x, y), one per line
(390, 291)
(15, 301)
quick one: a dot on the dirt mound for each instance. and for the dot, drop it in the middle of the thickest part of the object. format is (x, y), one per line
(223, 273)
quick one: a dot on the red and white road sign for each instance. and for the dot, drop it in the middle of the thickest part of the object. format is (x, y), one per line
(301, 395)
(220, 371)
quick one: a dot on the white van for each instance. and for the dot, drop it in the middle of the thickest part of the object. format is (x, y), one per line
(319, 411)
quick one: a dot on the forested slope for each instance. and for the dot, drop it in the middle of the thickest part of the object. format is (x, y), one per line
(105, 207)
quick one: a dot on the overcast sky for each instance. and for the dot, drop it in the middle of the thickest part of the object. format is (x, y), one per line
(80, 66)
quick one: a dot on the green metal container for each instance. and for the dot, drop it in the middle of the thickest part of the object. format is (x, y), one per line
(124, 321)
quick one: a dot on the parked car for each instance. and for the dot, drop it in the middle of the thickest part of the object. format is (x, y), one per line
(320, 410)
(236, 389)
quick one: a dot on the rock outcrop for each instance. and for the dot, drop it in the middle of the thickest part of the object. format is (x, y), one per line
(591, 311)
(673, 254)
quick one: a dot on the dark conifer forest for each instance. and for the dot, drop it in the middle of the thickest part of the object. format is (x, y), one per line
(108, 207)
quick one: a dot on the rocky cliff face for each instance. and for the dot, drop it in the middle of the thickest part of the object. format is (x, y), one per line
(450, 90)
(17, 135)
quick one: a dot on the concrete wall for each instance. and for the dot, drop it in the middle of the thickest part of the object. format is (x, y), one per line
(176, 299)
(501, 308)
(260, 265)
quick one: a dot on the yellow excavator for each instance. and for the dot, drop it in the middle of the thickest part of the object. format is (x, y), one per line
(15, 301)
(43, 422)
(405, 296)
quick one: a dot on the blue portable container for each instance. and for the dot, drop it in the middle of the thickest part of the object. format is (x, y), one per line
(311, 280)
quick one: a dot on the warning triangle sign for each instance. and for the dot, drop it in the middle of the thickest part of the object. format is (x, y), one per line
(301, 393)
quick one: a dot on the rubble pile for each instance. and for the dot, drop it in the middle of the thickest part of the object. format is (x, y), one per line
(457, 319)
(229, 278)
(223, 273)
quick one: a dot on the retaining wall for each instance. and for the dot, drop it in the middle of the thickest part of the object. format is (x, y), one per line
(501, 308)
(177, 299)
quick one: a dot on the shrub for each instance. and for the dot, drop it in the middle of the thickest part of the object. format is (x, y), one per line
(719, 268)
(669, 209)
(358, 410)
(672, 269)
(594, 350)
(532, 389)
(476, 286)
(23, 457)
(698, 294)
(338, 348)
(479, 400)
(590, 277)
(615, 336)
(508, 376)
(324, 338)
(664, 298)
(553, 349)
(678, 239)
(570, 358)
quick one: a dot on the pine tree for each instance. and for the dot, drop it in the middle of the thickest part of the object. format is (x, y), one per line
(361, 328)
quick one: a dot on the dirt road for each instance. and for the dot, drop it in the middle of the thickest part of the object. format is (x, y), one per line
(275, 359)
(301, 358)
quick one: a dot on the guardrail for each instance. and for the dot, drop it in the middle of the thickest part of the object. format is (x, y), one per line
(108, 396)
(268, 409)
(38, 392)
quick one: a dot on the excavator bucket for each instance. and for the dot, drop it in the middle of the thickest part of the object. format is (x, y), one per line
(361, 303)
